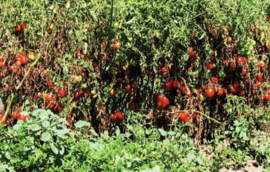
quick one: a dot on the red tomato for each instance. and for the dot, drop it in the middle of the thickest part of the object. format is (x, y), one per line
(236, 87)
(49, 97)
(214, 80)
(119, 116)
(1, 117)
(18, 63)
(21, 117)
(260, 64)
(165, 102)
(112, 118)
(175, 84)
(11, 67)
(62, 92)
(244, 71)
(49, 83)
(120, 80)
(1, 64)
(69, 120)
(184, 116)
(184, 89)
(159, 100)
(39, 95)
(209, 65)
(116, 45)
(239, 60)
(241, 93)
(23, 26)
(187, 120)
(268, 19)
(191, 52)
(266, 96)
(15, 114)
(19, 72)
(164, 69)
(194, 115)
(128, 88)
(259, 84)
(18, 28)
(212, 59)
(168, 86)
(193, 33)
(210, 92)
(220, 91)
(77, 95)
(260, 77)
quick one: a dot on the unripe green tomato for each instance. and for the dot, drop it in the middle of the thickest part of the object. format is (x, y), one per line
(93, 92)
(84, 86)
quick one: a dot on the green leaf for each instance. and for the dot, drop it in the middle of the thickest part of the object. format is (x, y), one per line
(7, 155)
(45, 137)
(162, 132)
(35, 127)
(61, 150)
(46, 124)
(117, 130)
(81, 124)
(54, 149)
(190, 156)
(94, 132)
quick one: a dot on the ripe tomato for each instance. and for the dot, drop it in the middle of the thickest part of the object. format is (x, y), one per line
(15, 114)
(220, 91)
(1, 64)
(77, 95)
(18, 63)
(260, 77)
(39, 94)
(229, 39)
(19, 72)
(268, 19)
(128, 88)
(209, 65)
(187, 120)
(116, 45)
(260, 64)
(266, 96)
(239, 60)
(119, 116)
(244, 71)
(168, 86)
(11, 67)
(212, 59)
(210, 92)
(236, 87)
(112, 118)
(159, 100)
(49, 83)
(194, 115)
(62, 92)
(69, 120)
(18, 28)
(23, 26)
(165, 102)
(120, 80)
(184, 89)
(112, 92)
(214, 80)
(184, 116)
(193, 33)
(1, 117)
(24, 59)
(49, 97)
(175, 84)
(259, 84)
(241, 92)
(191, 52)
(164, 69)
(21, 117)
